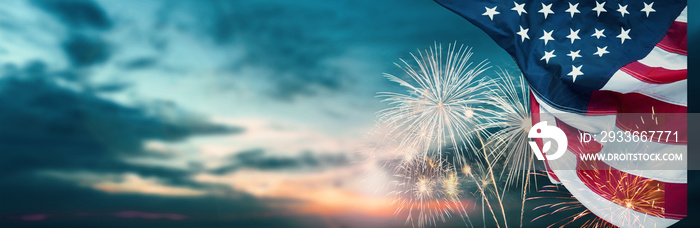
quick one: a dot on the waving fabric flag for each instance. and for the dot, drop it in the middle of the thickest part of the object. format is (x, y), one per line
(602, 66)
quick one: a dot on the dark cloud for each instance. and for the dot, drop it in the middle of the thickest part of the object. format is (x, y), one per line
(111, 87)
(86, 21)
(258, 159)
(76, 13)
(48, 127)
(83, 51)
(139, 63)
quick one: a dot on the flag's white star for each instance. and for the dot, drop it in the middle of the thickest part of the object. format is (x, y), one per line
(523, 34)
(601, 51)
(546, 9)
(520, 8)
(491, 12)
(622, 10)
(624, 35)
(575, 72)
(647, 8)
(547, 36)
(598, 33)
(574, 54)
(599, 8)
(573, 35)
(573, 9)
(548, 55)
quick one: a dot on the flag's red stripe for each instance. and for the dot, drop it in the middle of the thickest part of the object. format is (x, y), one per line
(655, 75)
(603, 102)
(676, 39)
(669, 199)
(535, 114)
(634, 113)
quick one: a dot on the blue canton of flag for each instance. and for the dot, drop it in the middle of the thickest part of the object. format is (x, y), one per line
(567, 49)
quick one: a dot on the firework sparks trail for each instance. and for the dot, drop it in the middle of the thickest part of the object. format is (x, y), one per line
(566, 203)
(493, 180)
(510, 142)
(481, 183)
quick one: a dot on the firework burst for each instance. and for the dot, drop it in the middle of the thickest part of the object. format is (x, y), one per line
(443, 102)
(443, 107)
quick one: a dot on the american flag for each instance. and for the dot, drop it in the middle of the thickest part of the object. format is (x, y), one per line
(598, 66)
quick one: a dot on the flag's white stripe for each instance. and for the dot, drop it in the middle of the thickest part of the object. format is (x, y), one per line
(674, 93)
(668, 60)
(583, 122)
(565, 169)
(683, 17)
(671, 172)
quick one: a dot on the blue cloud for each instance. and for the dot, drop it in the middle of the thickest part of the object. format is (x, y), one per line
(78, 14)
(85, 51)
(297, 45)
(257, 159)
(139, 63)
